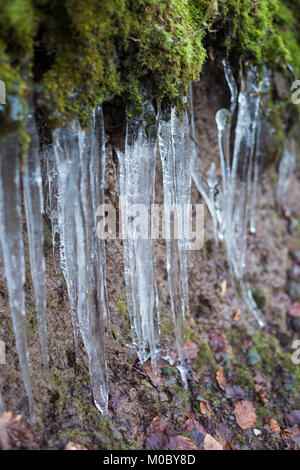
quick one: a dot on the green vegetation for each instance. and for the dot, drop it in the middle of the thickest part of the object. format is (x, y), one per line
(82, 52)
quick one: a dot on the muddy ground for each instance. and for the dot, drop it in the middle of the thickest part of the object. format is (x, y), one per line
(243, 389)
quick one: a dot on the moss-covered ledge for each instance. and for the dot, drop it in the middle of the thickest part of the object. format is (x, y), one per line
(77, 53)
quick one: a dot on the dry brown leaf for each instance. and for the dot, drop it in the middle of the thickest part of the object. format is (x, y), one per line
(205, 408)
(12, 431)
(190, 350)
(261, 391)
(221, 379)
(223, 288)
(210, 443)
(181, 443)
(72, 446)
(286, 433)
(192, 424)
(275, 428)
(245, 414)
(155, 377)
(237, 314)
(157, 434)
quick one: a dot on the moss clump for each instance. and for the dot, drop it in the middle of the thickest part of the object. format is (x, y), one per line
(82, 52)
(100, 49)
(18, 29)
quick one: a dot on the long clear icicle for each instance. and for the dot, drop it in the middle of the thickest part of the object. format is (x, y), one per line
(285, 172)
(238, 171)
(264, 88)
(137, 188)
(175, 152)
(13, 251)
(66, 154)
(241, 172)
(80, 160)
(33, 199)
(92, 299)
(51, 199)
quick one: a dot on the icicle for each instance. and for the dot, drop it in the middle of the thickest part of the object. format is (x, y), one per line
(137, 184)
(80, 162)
(264, 88)
(242, 164)
(13, 251)
(92, 297)
(174, 145)
(51, 200)
(33, 199)
(285, 172)
(237, 174)
(67, 170)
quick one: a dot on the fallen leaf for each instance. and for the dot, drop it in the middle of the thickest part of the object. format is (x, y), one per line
(223, 288)
(210, 443)
(294, 310)
(155, 376)
(157, 434)
(261, 391)
(237, 314)
(190, 350)
(221, 379)
(181, 443)
(286, 433)
(205, 408)
(275, 428)
(12, 431)
(217, 342)
(195, 377)
(245, 414)
(72, 446)
(192, 423)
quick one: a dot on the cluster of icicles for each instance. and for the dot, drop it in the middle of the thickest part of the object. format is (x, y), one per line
(72, 169)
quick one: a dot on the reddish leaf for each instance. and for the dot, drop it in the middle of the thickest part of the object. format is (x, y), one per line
(274, 426)
(155, 377)
(221, 379)
(190, 350)
(157, 434)
(210, 443)
(245, 414)
(181, 443)
(12, 431)
(205, 408)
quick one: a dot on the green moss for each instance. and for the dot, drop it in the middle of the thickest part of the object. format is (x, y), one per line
(122, 306)
(92, 429)
(82, 52)
(18, 29)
